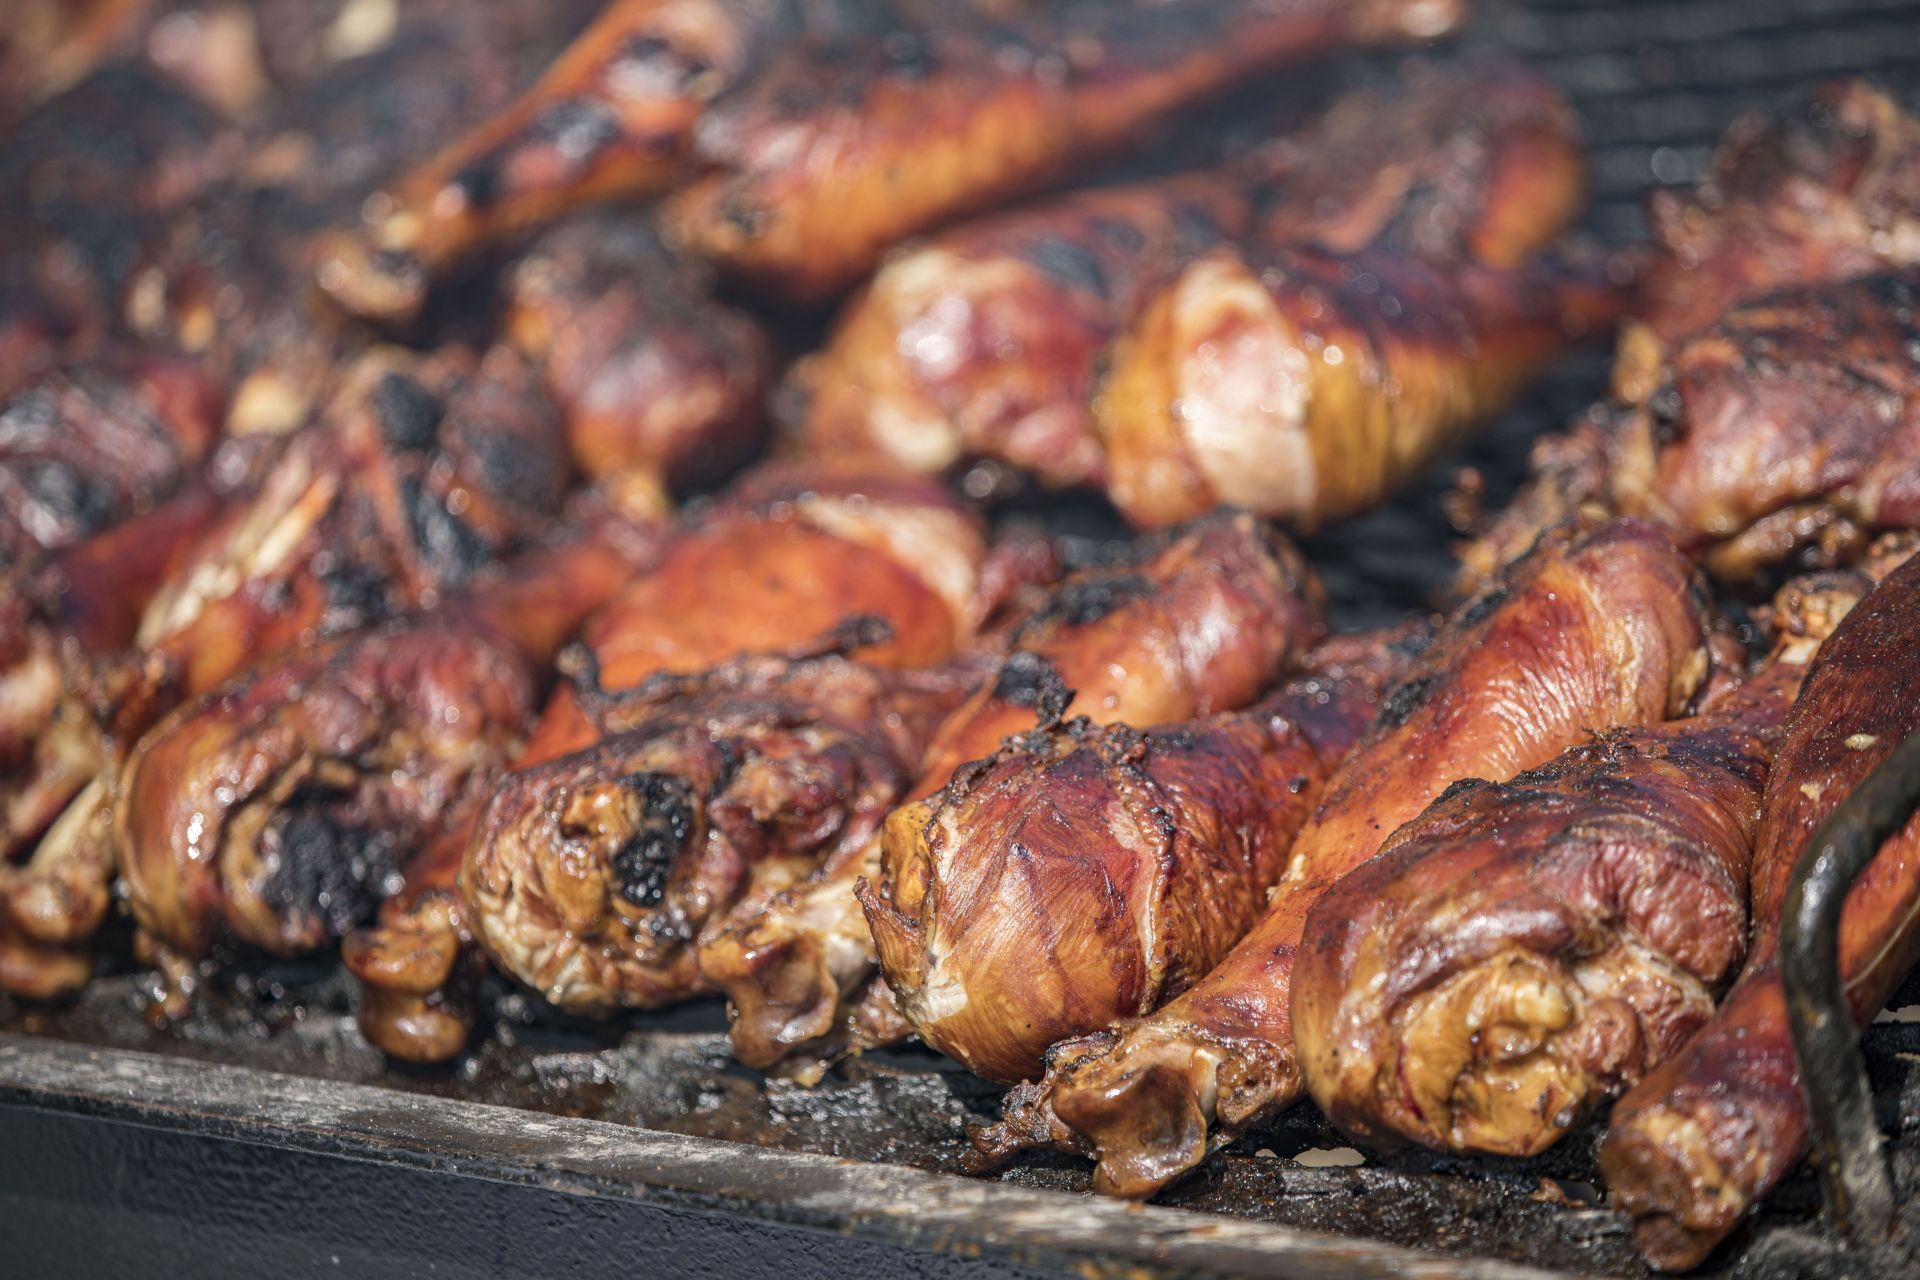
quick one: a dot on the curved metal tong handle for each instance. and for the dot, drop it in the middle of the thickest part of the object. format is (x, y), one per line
(1847, 1145)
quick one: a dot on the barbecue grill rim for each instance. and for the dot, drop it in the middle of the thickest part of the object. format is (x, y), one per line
(887, 1203)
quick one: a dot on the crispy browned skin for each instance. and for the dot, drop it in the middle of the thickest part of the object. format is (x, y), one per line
(1823, 189)
(1596, 628)
(1309, 386)
(801, 549)
(653, 373)
(987, 342)
(1720, 1124)
(1197, 622)
(593, 878)
(1784, 430)
(791, 552)
(278, 810)
(421, 472)
(1818, 193)
(1522, 951)
(612, 117)
(1083, 873)
(830, 157)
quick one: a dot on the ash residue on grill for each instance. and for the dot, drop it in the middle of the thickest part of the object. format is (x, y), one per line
(671, 1071)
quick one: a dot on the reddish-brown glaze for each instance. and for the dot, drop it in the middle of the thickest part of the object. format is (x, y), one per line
(1195, 622)
(81, 608)
(1523, 951)
(1084, 874)
(1596, 628)
(987, 342)
(830, 157)
(790, 553)
(1705, 1136)
(1793, 203)
(1309, 386)
(421, 473)
(653, 374)
(785, 561)
(279, 809)
(1822, 190)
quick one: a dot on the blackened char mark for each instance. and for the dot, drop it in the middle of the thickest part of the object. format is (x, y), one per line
(83, 503)
(645, 863)
(1086, 601)
(408, 414)
(1405, 698)
(1482, 607)
(1068, 263)
(449, 548)
(1029, 680)
(328, 868)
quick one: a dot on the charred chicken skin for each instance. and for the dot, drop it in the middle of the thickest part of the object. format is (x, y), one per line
(1822, 190)
(1597, 628)
(1785, 429)
(592, 878)
(86, 447)
(1086, 873)
(1193, 623)
(1699, 1141)
(987, 342)
(805, 550)
(652, 373)
(278, 810)
(1525, 950)
(421, 473)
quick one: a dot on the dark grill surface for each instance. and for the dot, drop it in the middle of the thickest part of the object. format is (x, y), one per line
(1655, 82)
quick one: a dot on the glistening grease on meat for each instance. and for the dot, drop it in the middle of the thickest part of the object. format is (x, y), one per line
(1309, 386)
(988, 341)
(1710, 1132)
(891, 568)
(1523, 951)
(1086, 873)
(1597, 627)
(1195, 622)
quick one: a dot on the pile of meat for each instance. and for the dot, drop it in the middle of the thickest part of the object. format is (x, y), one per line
(347, 398)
